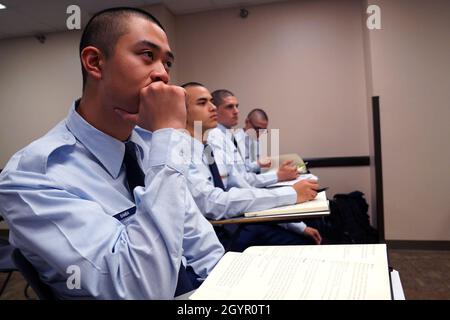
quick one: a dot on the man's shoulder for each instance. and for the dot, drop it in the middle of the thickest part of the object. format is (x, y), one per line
(239, 132)
(214, 134)
(35, 156)
(215, 130)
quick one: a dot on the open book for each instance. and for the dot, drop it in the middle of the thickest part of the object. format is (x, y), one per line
(319, 204)
(331, 272)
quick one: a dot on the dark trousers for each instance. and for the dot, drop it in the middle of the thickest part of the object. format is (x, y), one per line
(187, 280)
(239, 238)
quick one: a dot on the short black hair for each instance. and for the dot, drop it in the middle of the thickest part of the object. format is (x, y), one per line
(192, 84)
(258, 112)
(219, 95)
(106, 27)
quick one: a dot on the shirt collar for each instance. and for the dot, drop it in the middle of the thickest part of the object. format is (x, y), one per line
(197, 151)
(222, 128)
(239, 133)
(101, 145)
(227, 132)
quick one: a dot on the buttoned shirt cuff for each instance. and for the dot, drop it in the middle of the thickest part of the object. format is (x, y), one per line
(298, 227)
(285, 196)
(270, 177)
(255, 167)
(172, 148)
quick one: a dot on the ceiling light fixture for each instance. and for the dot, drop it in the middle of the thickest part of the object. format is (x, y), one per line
(2, 6)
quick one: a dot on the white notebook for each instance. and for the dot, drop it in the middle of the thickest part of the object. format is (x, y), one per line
(320, 203)
(319, 272)
(307, 176)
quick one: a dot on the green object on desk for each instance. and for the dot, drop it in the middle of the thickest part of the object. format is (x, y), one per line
(302, 168)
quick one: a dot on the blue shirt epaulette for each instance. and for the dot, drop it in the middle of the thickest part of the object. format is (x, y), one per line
(34, 156)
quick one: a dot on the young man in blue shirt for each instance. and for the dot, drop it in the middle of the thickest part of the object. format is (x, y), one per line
(249, 140)
(92, 194)
(219, 202)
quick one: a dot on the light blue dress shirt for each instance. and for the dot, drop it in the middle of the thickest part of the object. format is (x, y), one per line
(231, 164)
(66, 201)
(249, 149)
(229, 159)
(216, 204)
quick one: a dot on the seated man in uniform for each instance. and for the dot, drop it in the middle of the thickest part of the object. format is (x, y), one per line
(249, 140)
(92, 194)
(223, 142)
(216, 202)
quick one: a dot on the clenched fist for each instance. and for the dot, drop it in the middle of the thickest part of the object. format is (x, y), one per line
(287, 171)
(160, 106)
(306, 190)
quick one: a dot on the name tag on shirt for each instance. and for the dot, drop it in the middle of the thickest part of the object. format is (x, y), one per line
(125, 214)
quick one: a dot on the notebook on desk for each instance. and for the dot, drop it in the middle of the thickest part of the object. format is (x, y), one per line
(319, 272)
(301, 177)
(319, 204)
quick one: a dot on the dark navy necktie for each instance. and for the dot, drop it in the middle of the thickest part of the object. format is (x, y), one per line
(135, 175)
(135, 178)
(235, 142)
(217, 179)
(237, 147)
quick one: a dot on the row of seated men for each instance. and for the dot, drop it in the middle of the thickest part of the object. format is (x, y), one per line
(228, 160)
(119, 192)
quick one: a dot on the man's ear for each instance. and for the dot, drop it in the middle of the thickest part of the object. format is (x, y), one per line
(93, 60)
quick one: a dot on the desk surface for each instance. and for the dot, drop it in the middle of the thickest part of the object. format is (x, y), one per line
(292, 217)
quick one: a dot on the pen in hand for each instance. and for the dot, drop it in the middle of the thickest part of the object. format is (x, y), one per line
(322, 189)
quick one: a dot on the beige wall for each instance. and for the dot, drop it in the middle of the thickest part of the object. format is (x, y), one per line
(38, 84)
(369, 94)
(302, 61)
(411, 73)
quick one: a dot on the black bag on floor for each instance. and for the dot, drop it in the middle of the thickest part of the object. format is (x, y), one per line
(348, 221)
